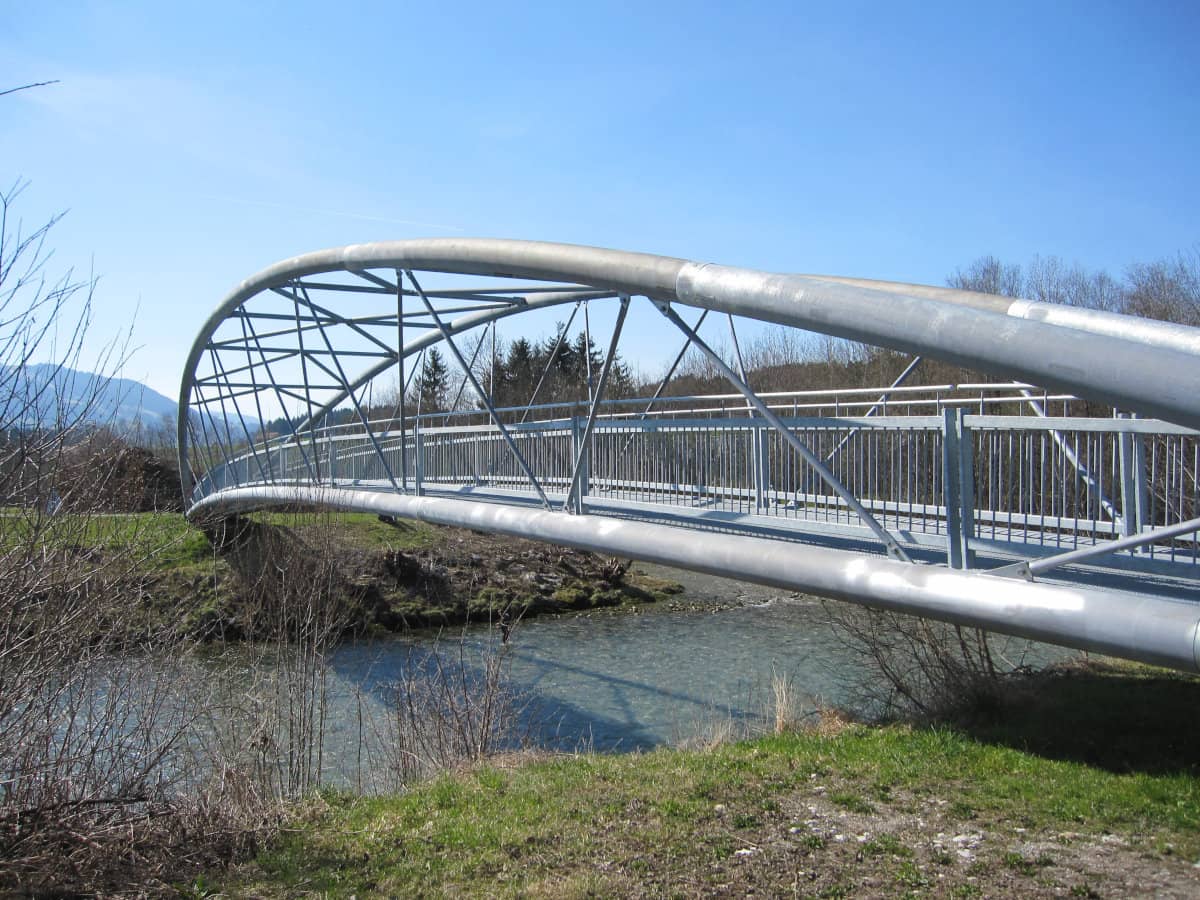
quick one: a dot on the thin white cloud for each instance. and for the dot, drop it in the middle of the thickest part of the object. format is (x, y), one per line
(178, 118)
(288, 207)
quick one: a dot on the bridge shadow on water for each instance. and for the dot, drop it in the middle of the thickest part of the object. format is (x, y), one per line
(613, 719)
(1122, 718)
(624, 730)
(1119, 718)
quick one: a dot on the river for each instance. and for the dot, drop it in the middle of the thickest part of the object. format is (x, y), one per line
(634, 680)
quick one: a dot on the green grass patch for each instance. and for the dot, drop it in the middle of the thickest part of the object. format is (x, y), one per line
(165, 540)
(515, 831)
(158, 541)
(650, 587)
(886, 845)
(361, 530)
(851, 801)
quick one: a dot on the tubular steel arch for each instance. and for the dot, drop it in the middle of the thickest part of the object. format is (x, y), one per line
(312, 336)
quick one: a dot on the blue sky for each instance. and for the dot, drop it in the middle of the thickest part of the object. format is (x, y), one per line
(195, 144)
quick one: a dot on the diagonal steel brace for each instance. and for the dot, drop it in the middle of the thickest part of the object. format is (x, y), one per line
(890, 543)
(483, 398)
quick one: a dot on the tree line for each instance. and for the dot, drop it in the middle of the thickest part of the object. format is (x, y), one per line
(542, 370)
(559, 371)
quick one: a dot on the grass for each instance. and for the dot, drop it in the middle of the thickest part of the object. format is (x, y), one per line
(161, 541)
(852, 811)
(165, 541)
(394, 575)
(182, 582)
(361, 530)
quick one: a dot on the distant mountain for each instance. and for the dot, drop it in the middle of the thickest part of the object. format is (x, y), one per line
(58, 394)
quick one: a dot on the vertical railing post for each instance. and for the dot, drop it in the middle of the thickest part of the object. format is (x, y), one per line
(419, 461)
(1134, 488)
(401, 385)
(584, 454)
(759, 454)
(332, 457)
(585, 474)
(476, 451)
(576, 454)
(959, 479)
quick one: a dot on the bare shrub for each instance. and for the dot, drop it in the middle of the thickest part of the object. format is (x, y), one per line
(717, 729)
(123, 763)
(910, 667)
(785, 705)
(452, 706)
(103, 794)
(250, 752)
(98, 790)
(298, 607)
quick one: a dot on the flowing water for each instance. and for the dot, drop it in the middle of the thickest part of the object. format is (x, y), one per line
(619, 682)
(631, 681)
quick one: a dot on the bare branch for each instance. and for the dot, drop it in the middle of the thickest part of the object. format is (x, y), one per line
(26, 87)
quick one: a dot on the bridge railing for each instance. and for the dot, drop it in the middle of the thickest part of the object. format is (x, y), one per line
(957, 482)
(1006, 397)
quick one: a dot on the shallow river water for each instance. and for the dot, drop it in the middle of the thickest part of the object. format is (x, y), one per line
(626, 681)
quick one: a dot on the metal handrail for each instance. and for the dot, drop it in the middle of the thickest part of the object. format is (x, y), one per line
(938, 401)
(349, 455)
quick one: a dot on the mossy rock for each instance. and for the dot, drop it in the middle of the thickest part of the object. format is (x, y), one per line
(658, 587)
(610, 597)
(573, 597)
(638, 587)
(490, 600)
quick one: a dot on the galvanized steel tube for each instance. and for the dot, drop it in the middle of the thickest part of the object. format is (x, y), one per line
(1077, 351)
(1151, 629)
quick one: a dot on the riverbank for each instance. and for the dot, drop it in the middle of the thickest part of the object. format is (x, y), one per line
(386, 576)
(1082, 781)
(1086, 784)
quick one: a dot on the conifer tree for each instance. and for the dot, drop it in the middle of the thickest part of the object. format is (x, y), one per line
(434, 384)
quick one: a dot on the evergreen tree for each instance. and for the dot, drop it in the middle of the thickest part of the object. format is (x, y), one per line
(620, 381)
(583, 352)
(518, 374)
(563, 355)
(434, 383)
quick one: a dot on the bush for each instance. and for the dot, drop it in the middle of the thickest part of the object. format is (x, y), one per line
(907, 667)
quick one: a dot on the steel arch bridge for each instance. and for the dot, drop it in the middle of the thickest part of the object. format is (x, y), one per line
(994, 505)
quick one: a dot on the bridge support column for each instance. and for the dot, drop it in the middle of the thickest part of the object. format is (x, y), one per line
(958, 470)
(1135, 495)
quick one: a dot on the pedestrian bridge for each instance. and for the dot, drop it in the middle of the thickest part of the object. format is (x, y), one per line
(1057, 500)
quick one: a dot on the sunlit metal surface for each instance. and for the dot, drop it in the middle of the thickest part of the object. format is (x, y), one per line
(818, 487)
